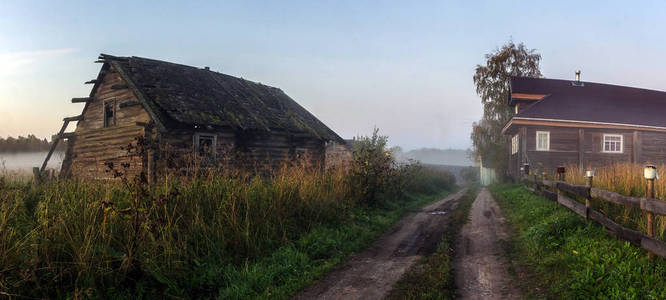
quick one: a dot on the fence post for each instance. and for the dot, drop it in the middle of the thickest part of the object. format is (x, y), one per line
(560, 173)
(650, 174)
(588, 201)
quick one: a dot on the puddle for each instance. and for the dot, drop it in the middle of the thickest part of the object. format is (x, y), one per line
(438, 212)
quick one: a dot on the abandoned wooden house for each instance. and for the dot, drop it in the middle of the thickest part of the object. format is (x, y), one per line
(565, 122)
(189, 110)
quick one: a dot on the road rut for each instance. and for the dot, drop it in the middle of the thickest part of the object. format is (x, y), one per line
(480, 269)
(371, 273)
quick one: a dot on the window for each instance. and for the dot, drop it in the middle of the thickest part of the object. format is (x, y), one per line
(110, 113)
(613, 143)
(543, 140)
(514, 144)
(205, 144)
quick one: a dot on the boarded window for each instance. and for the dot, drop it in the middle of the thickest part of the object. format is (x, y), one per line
(205, 144)
(109, 113)
(514, 144)
(613, 143)
(543, 140)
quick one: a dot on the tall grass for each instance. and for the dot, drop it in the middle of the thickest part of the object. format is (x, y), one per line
(180, 236)
(626, 179)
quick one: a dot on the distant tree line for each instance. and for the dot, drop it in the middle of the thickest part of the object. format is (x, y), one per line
(31, 143)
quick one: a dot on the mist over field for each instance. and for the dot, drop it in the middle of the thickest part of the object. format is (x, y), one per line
(454, 157)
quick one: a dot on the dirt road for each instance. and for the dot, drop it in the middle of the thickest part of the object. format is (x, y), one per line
(371, 273)
(480, 272)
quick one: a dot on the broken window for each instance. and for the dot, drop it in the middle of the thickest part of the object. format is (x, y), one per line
(205, 144)
(109, 113)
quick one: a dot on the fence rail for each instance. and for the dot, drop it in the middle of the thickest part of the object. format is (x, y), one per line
(558, 191)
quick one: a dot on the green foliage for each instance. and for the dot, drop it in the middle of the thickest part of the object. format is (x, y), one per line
(492, 85)
(575, 259)
(26, 144)
(470, 174)
(373, 168)
(218, 234)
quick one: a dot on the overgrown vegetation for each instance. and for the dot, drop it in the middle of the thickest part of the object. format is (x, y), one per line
(432, 276)
(626, 179)
(220, 234)
(29, 143)
(573, 258)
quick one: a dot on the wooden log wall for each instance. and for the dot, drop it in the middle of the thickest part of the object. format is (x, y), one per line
(95, 144)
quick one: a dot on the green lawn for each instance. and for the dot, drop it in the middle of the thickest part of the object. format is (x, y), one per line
(566, 257)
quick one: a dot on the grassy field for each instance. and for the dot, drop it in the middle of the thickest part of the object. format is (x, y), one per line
(220, 234)
(626, 179)
(566, 257)
(432, 276)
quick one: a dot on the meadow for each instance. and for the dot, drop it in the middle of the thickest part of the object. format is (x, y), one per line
(223, 233)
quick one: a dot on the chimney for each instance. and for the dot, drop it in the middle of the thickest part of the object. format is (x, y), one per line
(208, 69)
(578, 75)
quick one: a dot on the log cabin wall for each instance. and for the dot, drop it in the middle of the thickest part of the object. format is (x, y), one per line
(584, 147)
(94, 144)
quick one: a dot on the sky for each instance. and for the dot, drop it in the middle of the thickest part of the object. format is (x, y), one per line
(404, 67)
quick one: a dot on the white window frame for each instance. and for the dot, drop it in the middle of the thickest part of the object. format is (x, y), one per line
(603, 143)
(547, 147)
(515, 142)
(197, 138)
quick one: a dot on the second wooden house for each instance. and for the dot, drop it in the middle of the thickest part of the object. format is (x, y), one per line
(571, 122)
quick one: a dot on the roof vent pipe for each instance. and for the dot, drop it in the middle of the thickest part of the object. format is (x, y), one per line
(578, 75)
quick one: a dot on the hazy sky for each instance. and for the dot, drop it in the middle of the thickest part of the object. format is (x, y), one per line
(403, 66)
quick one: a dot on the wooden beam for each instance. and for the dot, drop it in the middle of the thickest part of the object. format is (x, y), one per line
(119, 86)
(636, 147)
(67, 135)
(75, 118)
(578, 190)
(91, 81)
(581, 149)
(82, 100)
(100, 61)
(615, 197)
(129, 104)
(572, 204)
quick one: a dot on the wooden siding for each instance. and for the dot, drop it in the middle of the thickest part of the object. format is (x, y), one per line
(584, 147)
(93, 144)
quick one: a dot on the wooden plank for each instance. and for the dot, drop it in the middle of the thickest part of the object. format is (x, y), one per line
(550, 196)
(581, 149)
(82, 100)
(578, 190)
(655, 246)
(67, 135)
(119, 86)
(549, 183)
(129, 104)
(572, 204)
(653, 205)
(91, 81)
(75, 118)
(615, 197)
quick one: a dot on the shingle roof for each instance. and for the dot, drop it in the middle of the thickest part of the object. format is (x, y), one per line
(592, 102)
(181, 95)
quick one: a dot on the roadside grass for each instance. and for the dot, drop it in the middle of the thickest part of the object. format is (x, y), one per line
(299, 264)
(566, 257)
(432, 276)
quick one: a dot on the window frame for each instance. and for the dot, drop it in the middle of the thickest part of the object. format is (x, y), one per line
(515, 144)
(536, 146)
(115, 113)
(603, 143)
(196, 140)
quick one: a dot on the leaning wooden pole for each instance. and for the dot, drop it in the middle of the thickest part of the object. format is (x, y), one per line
(55, 144)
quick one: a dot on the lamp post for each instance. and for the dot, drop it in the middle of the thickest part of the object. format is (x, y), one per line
(560, 173)
(589, 175)
(650, 174)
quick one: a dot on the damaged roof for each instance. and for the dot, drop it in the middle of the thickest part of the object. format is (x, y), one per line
(568, 100)
(181, 95)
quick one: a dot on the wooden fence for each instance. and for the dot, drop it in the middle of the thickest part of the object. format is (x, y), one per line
(558, 191)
